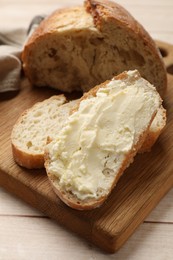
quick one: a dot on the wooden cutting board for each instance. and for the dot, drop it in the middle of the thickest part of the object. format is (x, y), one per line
(139, 190)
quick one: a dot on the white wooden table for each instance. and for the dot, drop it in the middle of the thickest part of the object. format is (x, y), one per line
(25, 233)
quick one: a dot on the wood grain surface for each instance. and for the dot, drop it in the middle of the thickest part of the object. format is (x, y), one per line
(142, 186)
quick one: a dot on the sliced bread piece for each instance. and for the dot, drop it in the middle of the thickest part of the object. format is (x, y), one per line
(29, 134)
(100, 139)
(79, 47)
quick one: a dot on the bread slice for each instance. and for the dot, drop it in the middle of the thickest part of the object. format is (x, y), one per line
(100, 139)
(79, 47)
(29, 134)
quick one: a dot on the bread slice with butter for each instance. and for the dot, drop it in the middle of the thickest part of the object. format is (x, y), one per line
(100, 139)
(79, 47)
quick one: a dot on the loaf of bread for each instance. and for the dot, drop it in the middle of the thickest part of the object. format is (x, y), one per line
(100, 139)
(29, 134)
(79, 47)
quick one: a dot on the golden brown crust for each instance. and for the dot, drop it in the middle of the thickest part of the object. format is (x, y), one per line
(48, 25)
(113, 11)
(29, 161)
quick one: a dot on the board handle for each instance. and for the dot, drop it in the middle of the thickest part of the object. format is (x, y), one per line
(166, 51)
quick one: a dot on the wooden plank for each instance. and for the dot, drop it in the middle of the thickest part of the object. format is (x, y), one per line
(41, 238)
(137, 193)
(12, 206)
(163, 211)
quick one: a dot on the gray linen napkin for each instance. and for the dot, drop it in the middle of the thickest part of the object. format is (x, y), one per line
(11, 45)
